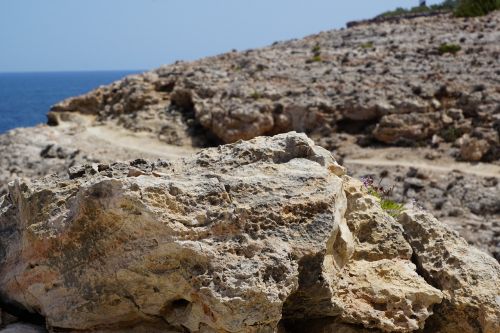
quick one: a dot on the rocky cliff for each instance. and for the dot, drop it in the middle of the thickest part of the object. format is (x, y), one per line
(268, 235)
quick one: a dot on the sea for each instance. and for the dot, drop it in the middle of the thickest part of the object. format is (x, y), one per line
(25, 98)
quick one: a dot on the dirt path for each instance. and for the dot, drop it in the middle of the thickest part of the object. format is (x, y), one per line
(127, 144)
(479, 169)
(135, 142)
(149, 146)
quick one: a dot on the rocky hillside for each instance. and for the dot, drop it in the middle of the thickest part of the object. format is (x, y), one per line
(422, 82)
(267, 235)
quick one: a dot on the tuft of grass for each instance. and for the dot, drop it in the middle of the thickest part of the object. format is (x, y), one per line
(451, 134)
(390, 206)
(449, 48)
(367, 45)
(256, 95)
(316, 58)
(316, 49)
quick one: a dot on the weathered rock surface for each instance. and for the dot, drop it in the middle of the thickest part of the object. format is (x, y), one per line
(251, 237)
(211, 243)
(472, 149)
(468, 277)
(463, 196)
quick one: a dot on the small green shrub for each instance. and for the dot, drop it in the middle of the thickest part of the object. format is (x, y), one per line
(316, 49)
(447, 5)
(396, 12)
(404, 11)
(449, 48)
(367, 45)
(316, 58)
(472, 8)
(460, 8)
(256, 95)
(451, 134)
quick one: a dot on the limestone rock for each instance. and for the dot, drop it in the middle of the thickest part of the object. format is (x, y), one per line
(473, 149)
(213, 243)
(236, 120)
(257, 236)
(469, 279)
(380, 287)
(86, 104)
(396, 128)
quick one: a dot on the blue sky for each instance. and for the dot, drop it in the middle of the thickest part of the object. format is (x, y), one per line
(61, 35)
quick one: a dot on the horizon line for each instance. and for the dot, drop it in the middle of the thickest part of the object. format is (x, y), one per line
(72, 71)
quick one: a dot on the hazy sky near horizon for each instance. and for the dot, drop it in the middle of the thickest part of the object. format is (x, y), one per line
(64, 35)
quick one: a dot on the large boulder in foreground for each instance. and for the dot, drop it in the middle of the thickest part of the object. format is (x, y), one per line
(255, 236)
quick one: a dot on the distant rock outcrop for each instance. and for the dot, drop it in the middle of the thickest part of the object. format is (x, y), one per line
(390, 82)
(260, 236)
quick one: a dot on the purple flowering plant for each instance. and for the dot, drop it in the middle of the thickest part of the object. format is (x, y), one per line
(392, 207)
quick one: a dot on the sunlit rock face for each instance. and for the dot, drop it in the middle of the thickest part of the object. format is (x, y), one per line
(259, 236)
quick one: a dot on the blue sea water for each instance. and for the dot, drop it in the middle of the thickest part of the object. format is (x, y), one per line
(25, 98)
